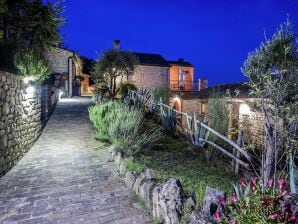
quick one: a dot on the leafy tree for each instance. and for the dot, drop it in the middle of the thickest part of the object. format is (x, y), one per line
(112, 67)
(31, 22)
(272, 70)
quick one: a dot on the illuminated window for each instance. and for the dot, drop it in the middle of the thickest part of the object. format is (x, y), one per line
(203, 108)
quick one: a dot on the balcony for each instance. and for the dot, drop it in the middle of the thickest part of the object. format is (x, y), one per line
(176, 85)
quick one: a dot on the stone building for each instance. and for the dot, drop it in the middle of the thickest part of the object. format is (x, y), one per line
(242, 108)
(66, 67)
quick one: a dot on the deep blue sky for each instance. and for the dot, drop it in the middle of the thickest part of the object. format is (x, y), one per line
(215, 36)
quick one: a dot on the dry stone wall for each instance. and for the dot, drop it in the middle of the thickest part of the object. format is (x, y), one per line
(20, 122)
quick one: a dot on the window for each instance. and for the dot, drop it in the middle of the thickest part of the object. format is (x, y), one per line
(203, 108)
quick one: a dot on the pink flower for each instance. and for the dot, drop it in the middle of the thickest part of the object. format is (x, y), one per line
(281, 183)
(242, 182)
(271, 183)
(217, 215)
(253, 183)
(276, 216)
(221, 201)
(233, 197)
(294, 218)
(285, 192)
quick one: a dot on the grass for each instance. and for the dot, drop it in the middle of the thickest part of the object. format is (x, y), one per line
(174, 157)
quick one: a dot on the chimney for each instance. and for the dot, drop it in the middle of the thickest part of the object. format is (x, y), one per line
(116, 44)
(180, 60)
(203, 84)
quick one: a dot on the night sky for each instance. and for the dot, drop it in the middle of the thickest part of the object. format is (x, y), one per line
(215, 36)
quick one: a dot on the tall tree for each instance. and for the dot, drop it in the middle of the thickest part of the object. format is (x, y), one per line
(31, 22)
(272, 70)
(113, 66)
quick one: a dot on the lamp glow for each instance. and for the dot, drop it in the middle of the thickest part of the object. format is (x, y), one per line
(28, 79)
(60, 94)
(30, 90)
(176, 99)
(244, 109)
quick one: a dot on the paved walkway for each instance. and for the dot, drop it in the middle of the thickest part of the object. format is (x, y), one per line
(66, 177)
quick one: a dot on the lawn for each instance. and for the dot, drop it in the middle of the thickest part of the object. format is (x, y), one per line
(175, 157)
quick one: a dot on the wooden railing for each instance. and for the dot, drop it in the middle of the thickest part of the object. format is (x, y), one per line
(199, 131)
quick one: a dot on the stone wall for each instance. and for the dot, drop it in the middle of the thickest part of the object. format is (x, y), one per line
(20, 119)
(58, 60)
(150, 77)
(251, 122)
(49, 99)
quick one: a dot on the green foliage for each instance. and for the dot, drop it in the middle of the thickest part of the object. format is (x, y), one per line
(218, 119)
(163, 92)
(254, 206)
(172, 157)
(113, 65)
(31, 23)
(124, 89)
(273, 78)
(124, 127)
(168, 120)
(32, 63)
(101, 116)
(130, 133)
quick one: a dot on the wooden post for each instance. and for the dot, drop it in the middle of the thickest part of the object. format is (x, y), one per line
(237, 153)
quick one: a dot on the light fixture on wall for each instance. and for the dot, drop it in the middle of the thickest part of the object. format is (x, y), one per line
(61, 93)
(30, 89)
(244, 109)
(176, 99)
(28, 79)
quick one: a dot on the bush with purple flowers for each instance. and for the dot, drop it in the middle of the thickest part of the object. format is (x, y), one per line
(249, 205)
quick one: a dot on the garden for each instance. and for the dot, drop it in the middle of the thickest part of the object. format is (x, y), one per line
(145, 132)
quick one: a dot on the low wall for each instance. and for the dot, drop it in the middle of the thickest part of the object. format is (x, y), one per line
(20, 117)
(166, 202)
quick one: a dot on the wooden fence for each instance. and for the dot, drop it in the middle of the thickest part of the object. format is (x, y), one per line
(197, 130)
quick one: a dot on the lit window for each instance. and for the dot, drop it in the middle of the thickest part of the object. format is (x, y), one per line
(203, 108)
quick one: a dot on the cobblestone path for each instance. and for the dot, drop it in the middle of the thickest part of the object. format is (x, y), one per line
(66, 177)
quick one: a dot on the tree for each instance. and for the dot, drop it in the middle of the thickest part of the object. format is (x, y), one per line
(31, 23)
(113, 66)
(272, 70)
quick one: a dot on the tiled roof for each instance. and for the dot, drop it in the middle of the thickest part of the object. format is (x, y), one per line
(235, 90)
(180, 63)
(151, 59)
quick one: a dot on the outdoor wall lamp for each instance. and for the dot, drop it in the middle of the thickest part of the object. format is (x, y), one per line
(30, 89)
(244, 109)
(28, 79)
(61, 93)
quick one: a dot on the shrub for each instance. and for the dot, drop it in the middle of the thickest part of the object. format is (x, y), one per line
(123, 126)
(124, 89)
(168, 120)
(249, 205)
(31, 63)
(101, 116)
(130, 132)
(163, 92)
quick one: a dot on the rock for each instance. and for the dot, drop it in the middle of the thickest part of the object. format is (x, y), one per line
(170, 200)
(145, 192)
(122, 168)
(3, 142)
(130, 179)
(5, 109)
(138, 183)
(196, 217)
(149, 174)
(211, 203)
(156, 210)
(190, 202)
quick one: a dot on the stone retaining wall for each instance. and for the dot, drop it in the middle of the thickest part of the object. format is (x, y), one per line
(167, 202)
(20, 119)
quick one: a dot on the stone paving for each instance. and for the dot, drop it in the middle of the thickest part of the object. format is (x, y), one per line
(66, 177)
